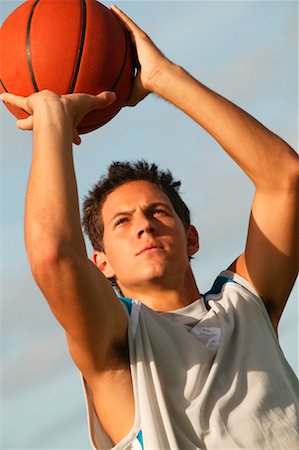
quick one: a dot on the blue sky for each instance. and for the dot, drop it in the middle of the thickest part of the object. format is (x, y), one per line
(245, 50)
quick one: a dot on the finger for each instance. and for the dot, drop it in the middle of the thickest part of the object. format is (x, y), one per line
(130, 25)
(25, 124)
(107, 97)
(15, 100)
(100, 101)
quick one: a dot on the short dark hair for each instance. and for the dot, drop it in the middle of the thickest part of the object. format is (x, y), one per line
(118, 174)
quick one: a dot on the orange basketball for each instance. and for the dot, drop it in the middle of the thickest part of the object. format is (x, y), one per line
(66, 46)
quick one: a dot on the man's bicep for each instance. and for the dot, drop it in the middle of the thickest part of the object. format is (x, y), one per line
(270, 260)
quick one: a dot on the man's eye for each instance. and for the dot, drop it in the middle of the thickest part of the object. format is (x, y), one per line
(121, 221)
(159, 211)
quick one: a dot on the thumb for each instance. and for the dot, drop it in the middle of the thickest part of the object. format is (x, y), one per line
(76, 137)
(25, 124)
(138, 92)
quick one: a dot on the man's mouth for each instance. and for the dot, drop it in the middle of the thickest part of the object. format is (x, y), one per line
(150, 248)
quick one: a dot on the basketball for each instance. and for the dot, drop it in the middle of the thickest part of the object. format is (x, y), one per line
(66, 46)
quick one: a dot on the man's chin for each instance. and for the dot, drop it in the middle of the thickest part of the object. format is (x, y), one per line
(152, 280)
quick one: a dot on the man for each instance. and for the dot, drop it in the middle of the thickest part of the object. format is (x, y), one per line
(194, 372)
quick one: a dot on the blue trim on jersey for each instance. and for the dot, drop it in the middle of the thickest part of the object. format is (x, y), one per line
(217, 288)
(140, 438)
(127, 302)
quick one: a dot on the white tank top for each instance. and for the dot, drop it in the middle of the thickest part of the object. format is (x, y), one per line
(208, 376)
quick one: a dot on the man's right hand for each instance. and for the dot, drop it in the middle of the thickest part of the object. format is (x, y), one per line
(75, 106)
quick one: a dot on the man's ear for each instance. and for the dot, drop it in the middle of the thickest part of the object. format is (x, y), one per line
(192, 240)
(101, 261)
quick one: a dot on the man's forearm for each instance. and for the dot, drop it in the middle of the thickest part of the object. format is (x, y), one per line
(52, 219)
(261, 154)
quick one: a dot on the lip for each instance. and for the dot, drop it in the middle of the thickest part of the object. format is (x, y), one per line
(149, 248)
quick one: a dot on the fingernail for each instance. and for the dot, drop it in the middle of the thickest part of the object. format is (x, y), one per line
(112, 96)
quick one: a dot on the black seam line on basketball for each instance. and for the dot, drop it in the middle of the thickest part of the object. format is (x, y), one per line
(3, 86)
(123, 64)
(95, 125)
(28, 50)
(81, 46)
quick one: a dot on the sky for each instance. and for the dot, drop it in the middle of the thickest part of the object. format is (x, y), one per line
(245, 50)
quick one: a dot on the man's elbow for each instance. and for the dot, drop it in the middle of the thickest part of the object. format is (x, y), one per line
(290, 176)
(287, 179)
(50, 261)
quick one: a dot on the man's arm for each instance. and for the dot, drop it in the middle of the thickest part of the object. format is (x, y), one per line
(271, 257)
(79, 295)
(270, 260)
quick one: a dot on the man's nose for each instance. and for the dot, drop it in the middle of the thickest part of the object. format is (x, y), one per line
(145, 225)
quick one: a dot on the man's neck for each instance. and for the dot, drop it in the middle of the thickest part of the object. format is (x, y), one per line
(169, 298)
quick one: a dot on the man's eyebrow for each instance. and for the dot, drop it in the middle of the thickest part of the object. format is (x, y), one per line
(149, 206)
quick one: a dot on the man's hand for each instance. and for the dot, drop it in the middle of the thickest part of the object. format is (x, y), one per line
(151, 61)
(75, 106)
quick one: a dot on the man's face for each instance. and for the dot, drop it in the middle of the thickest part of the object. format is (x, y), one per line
(144, 239)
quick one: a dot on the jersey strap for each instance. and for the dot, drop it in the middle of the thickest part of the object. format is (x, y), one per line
(127, 302)
(140, 439)
(217, 288)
